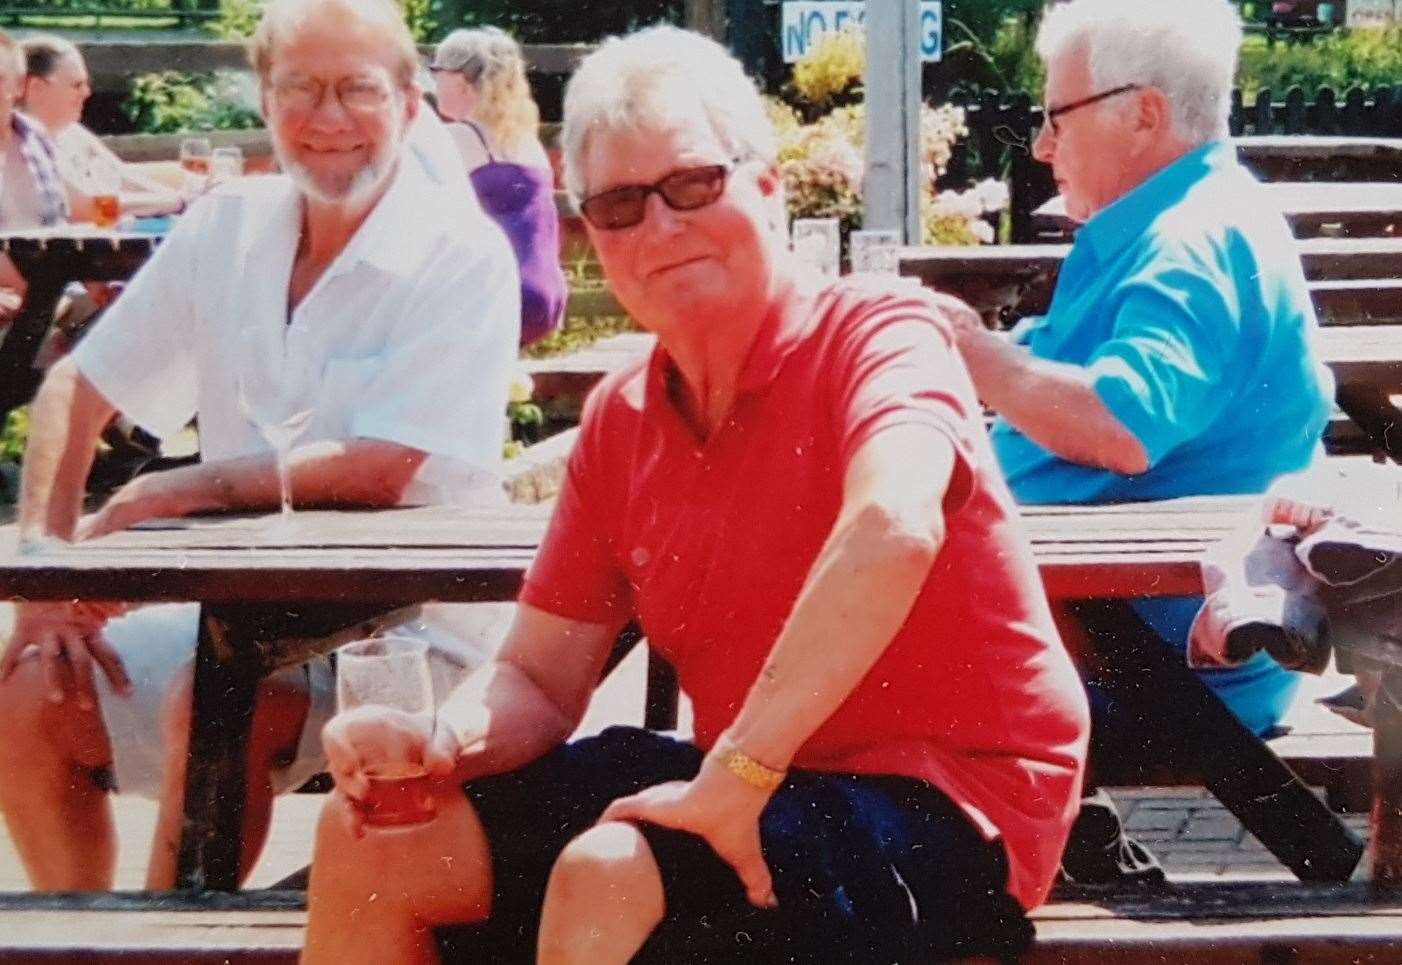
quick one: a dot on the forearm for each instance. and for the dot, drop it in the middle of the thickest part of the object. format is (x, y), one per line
(858, 595)
(147, 202)
(358, 473)
(1052, 403)
(502, 720)
(65, 420)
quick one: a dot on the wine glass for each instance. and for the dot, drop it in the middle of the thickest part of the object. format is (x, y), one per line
(818, 242)
(390, 672)
(195, 155)
(278, 400)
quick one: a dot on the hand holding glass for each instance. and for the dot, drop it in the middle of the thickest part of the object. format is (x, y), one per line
(391, 672)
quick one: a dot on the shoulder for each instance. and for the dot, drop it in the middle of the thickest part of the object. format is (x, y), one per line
(862, 305)
(457, 235)
(469, 145)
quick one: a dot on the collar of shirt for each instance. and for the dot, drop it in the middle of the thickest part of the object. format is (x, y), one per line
(1114, 227)
(393, 237)
(789, 321)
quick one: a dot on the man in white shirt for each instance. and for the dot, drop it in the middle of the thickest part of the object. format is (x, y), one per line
(356, 272)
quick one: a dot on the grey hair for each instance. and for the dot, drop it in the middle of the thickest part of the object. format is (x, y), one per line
(282, 18)
(1186, 48)
(654, 74)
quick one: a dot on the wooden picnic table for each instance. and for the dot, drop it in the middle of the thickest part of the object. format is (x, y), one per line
(271, 601)
(1352, 281)
(49, 259)
(1350, 209)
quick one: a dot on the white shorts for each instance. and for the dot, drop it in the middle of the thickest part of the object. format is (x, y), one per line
(157, 644)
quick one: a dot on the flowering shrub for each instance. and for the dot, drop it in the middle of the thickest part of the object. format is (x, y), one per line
(833, 69)
(822, 161)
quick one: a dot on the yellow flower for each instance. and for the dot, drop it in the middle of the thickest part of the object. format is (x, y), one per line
(834, 64)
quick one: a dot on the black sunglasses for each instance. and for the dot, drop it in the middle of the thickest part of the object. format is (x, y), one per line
(684, 190)
(1052, 113)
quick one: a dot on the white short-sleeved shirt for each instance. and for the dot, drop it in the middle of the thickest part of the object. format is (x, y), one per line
(413, 328)
(431, 141)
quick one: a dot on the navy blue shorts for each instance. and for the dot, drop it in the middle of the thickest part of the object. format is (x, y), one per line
(866, 868)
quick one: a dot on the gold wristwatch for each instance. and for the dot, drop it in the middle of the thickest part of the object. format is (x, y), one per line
(747, 769)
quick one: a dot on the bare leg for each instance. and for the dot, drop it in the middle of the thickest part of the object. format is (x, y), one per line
(278, 717)
(375, 899)
(58, 814)
(604, 899)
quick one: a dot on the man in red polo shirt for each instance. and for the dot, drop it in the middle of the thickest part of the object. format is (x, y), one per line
(795, 497)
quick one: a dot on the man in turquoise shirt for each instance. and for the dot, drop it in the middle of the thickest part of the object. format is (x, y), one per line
(1177, 357)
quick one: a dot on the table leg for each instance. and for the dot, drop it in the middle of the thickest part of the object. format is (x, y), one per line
(1387, 783)
(18, 379)
(226, 682)
(1175, 716)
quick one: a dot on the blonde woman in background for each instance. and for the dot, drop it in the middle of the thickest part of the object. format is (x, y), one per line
(480, 77)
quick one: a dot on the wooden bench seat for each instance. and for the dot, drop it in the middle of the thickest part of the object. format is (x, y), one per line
(1207, 923)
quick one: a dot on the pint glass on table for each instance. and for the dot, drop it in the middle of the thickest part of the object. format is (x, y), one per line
(104, 182)
(390, 672)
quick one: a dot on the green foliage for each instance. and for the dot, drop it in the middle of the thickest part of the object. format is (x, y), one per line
(991, 46)
(14, 435)
(1368, 57)
(577, 332)
(237, 19)
(168, 101)
(556, 21)
(116, 6)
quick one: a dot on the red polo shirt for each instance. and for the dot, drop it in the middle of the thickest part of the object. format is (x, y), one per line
(709, 543)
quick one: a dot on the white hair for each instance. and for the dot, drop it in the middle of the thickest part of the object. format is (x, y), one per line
(658, 73)
(1185, 48)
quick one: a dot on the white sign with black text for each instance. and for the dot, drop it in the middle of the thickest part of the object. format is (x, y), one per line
(805, 21)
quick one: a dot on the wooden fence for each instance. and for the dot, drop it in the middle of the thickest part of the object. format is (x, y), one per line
(1002, 128)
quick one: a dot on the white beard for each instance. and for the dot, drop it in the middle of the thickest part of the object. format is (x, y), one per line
(343, 190)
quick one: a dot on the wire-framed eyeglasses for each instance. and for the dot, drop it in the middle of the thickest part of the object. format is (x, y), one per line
(1050, 114)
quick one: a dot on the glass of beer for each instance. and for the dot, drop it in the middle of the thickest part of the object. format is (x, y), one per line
(195, 156)
(105, 184)
(390, 672)
(226, 163)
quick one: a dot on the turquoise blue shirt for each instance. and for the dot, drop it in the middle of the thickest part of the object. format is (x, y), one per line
(1186, 301)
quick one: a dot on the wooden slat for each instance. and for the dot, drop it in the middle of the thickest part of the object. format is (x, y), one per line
(1212, 922)
(1359, 209)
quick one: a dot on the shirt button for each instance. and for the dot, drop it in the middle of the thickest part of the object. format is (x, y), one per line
(640, 556)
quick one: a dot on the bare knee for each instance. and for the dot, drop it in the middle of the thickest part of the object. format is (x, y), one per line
(280, 710)
(608, 871)
(37, 729)
(435, 873)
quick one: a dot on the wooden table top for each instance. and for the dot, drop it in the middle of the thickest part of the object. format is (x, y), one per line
(403, 556)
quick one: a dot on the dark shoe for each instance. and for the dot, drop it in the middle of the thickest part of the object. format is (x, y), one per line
(1100, 853)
